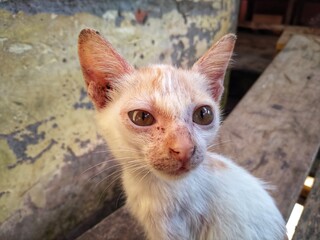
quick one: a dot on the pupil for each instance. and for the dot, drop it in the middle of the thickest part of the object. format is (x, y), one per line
(144, 116)
(202, 113)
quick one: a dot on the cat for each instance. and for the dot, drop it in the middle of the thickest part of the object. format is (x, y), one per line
(159, 121)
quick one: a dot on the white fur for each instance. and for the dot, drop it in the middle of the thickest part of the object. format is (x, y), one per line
(207, 204)
(217, 200)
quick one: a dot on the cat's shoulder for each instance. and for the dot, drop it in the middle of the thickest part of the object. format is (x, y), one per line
(227, 170)
(224, 167)
(214, 161)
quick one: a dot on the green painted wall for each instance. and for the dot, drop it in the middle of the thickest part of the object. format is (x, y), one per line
(49, 144)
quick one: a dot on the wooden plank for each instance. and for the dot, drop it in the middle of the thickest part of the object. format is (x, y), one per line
(276, 28)
(289, 31)
(274, 132)
(119, 225)
(267, 19)
(309, 224)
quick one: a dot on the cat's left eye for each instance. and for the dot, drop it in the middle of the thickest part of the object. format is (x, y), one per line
(141, 118)
(203, 115)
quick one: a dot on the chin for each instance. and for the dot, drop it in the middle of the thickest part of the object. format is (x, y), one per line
(172, 175)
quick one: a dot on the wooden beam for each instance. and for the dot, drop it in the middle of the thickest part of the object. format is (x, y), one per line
(309, 224)
(276, 28)
(289, 31)
(119, 225)
(274, 132)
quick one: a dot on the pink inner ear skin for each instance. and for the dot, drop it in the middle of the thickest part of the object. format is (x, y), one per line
(214, 62)
(101, 65)
(98, 94)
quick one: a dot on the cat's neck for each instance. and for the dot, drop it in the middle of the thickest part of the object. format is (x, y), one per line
(143, 176)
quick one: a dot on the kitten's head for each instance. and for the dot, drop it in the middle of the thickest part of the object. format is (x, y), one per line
(158, 118)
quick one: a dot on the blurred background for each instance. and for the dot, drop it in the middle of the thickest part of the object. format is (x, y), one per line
(56, 177)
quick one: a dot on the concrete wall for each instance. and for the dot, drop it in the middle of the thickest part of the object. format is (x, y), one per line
(52, 182)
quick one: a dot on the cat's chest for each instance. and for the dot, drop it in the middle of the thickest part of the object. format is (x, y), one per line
(183, 209)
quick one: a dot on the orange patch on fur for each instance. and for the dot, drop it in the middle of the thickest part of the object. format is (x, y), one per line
(155, 76)
(217, 165)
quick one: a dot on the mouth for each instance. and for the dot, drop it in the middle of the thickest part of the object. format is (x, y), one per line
(180, 171)
(168, 168)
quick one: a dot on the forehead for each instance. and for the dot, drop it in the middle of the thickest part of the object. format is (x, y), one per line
(166, 89)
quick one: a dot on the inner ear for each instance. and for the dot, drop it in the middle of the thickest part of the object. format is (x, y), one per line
(213, 64)
(101, 66)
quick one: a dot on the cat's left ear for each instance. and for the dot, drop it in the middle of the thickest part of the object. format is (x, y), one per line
(213, 64)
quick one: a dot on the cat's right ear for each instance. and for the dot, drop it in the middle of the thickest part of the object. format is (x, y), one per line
(101, 66)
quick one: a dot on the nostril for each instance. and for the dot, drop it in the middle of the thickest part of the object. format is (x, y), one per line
(182, 154)
(176, 152)
(193, 151)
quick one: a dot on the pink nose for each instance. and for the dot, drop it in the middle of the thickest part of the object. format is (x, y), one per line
(182, 150)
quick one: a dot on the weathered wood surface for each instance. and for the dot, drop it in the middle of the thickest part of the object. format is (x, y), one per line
(274, 131)
(119, 225)
(276, 28)
(309, 224)
(289, 31)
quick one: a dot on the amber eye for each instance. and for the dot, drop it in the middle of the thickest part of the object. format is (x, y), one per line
(141, 118)
(203, 115)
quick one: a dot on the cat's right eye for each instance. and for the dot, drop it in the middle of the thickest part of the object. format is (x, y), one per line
(141, 118)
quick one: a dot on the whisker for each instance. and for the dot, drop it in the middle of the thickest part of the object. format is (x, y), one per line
(218, 144)
(117, 150)
(139, 168)
(116, 163)
(102, 171)
(96, 165)
(129, 164)
(133, 166)
(119, 171)
(103, 192)
(144, 176)
(125, 149)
